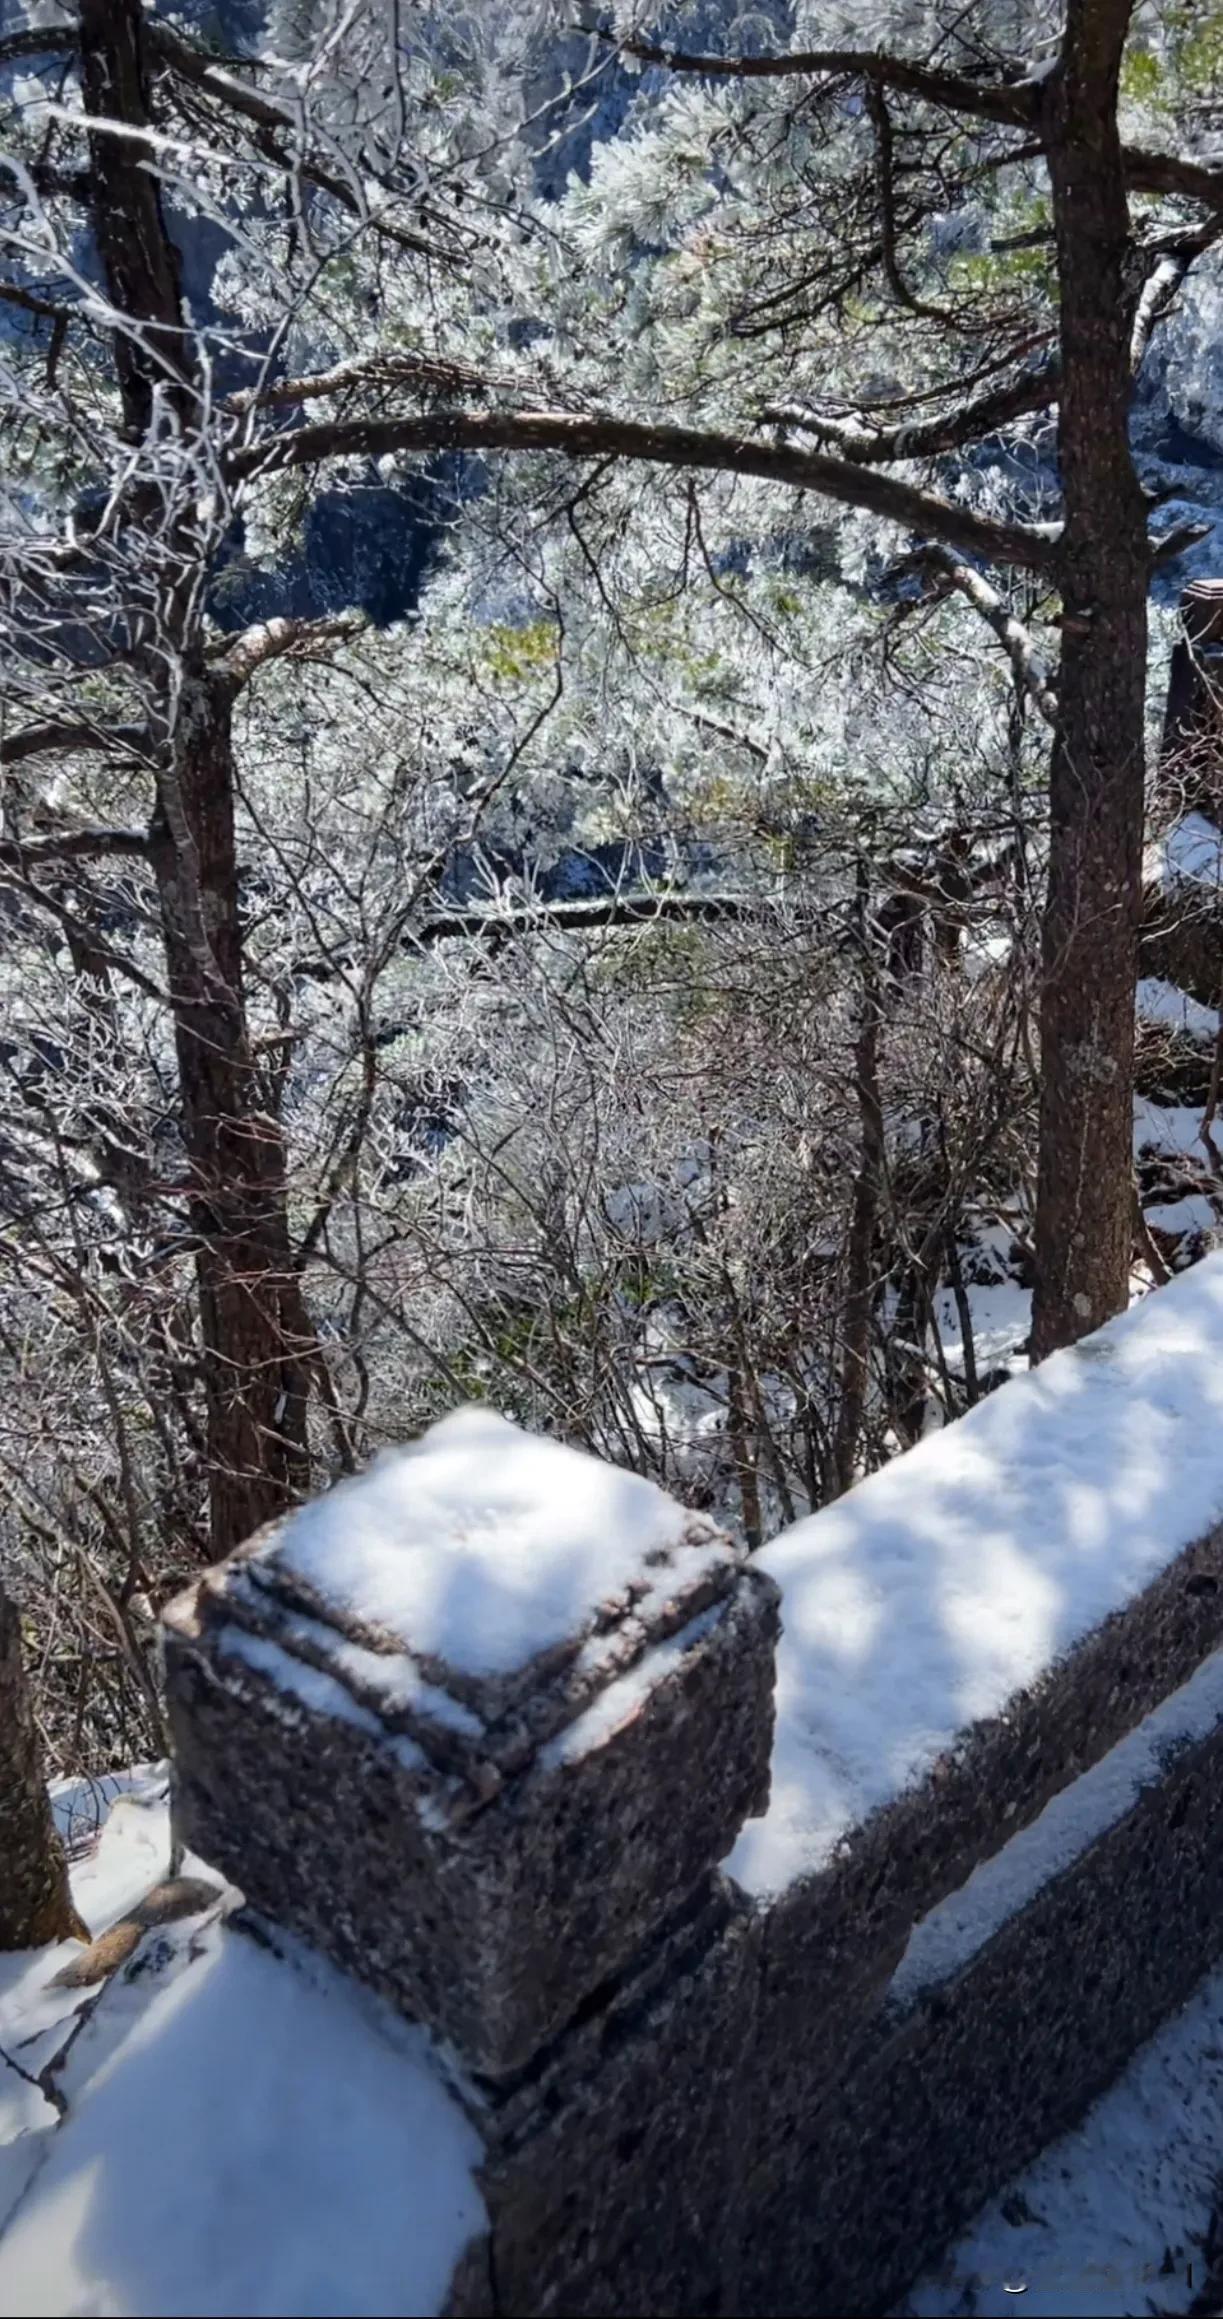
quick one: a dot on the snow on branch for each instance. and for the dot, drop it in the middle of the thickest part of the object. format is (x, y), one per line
(1013, 103)
(269, 115)
(603, 435)
(436, 374)
(1033, 390)
(1030, 672)
(58, 735)
(84, 844)
(1173, 260)
(281, 639)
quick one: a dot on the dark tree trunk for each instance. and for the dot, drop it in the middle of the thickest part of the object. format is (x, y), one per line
(860, 1255)
(137, 256)
(1089, 952)
(35, 1904)
(257, 1349)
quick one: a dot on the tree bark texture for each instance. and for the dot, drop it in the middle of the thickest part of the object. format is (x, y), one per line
(138, 258)
(860, 1253)
(35, 1903)
(1090, 933)
(256, 1342)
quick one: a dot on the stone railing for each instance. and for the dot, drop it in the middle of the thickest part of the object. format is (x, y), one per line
(755, 1989)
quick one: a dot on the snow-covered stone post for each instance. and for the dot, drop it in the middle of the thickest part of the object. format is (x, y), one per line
(479, 1724)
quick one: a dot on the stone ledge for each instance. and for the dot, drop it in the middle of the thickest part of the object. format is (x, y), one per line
(833, 1940)
(933, 2109)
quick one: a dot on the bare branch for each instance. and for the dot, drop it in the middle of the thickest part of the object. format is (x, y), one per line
(628, 909)
(1170, 544)
(57, 736)
(45, 40)
(16, 294)
(282, 638)
(492, 926)
(1019, 645)
(885, 172)
(1013, 103)
(597, 435)
(1034, 390)
(71, 845)
(1147, 172)
(103, 952)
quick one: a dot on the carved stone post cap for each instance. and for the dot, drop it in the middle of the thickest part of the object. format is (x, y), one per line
(515, 1702)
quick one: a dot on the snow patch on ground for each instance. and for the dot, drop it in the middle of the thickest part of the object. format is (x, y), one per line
(1169, 1127)
(1195, 1213)
(1001, 1316)
(482, 1546)
(1112, 2221)
(1192, 853)
(243, 2133)
(115, 1828)
(953, 1578)
(1162, 1002)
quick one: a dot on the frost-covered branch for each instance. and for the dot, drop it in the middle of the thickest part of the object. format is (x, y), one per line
(71, 845)
(968, 422)
(602, 435)
(272, 117)
(1030, 671)
(58, 735)
(268, 115)
(1013, 103)
(1172, 263)
(282, 639)
(398, 367)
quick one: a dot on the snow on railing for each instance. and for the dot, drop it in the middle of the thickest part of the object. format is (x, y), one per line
(749, 2018)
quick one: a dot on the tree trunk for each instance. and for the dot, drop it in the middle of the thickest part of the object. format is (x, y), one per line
(256, 1340)
(35, 1903)
(1089, 949)
(137, 255)
(257, 1349)
(859, 1305)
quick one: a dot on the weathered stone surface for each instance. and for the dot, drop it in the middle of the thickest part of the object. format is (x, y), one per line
(932, 2113)
(975, 1623)
(484, 1853)
(692, 2101)
(834, 1938)
(614, 2174)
